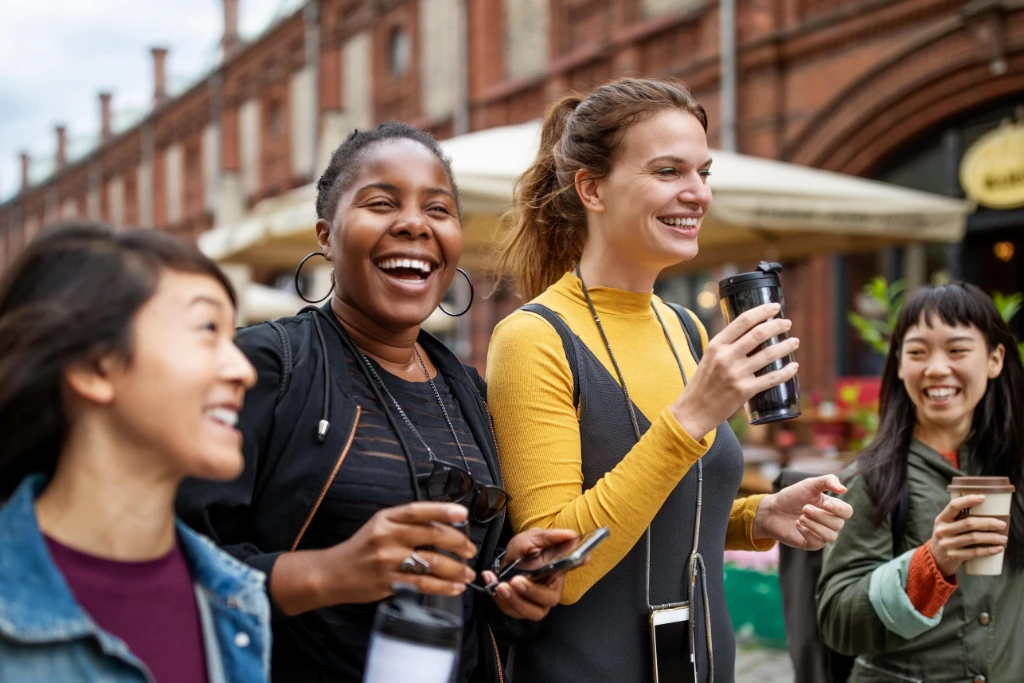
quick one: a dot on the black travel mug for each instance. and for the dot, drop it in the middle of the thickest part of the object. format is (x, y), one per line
(412, 642)
(741, 293)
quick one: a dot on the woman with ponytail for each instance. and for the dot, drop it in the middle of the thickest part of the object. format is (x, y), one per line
(602, 413)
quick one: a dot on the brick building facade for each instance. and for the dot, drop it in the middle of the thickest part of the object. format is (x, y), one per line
(854, 86)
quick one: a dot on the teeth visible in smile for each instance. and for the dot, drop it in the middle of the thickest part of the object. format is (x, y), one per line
(415, 264)
(680, 222)
(223, 415)
(939, 393)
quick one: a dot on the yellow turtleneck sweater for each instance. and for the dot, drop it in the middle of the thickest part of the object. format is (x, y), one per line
(530, 387)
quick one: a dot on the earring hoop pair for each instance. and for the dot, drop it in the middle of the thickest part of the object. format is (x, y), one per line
(298, 288)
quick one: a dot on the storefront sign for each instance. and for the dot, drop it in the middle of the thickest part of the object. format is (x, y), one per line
(992, 170)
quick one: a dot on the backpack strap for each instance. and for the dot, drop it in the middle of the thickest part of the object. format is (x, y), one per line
(690, 328)
(568, 338)
(286, 359)
(899, 517)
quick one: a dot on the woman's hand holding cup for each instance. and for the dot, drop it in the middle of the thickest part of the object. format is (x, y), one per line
(725, 378)
(957, 538)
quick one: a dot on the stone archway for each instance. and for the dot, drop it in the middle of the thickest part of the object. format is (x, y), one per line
(951, 70)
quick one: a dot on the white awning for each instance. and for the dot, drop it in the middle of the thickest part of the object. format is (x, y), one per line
(761, 208)
(260, 302)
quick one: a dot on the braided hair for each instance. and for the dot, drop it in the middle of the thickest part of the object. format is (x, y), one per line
(346, 159)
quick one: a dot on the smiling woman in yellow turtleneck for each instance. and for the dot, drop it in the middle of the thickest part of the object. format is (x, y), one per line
(530, 393)
(618, 193)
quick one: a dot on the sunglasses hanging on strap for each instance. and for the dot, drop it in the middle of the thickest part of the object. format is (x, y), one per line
(447, 483)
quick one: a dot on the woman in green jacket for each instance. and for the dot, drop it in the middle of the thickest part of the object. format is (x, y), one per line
(952, 404)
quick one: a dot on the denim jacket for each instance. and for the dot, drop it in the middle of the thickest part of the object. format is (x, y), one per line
(46, 636)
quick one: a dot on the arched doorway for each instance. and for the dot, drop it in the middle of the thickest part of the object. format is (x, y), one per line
(992, 252)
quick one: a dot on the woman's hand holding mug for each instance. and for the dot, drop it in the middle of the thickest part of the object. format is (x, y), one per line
(725, 378)
(957, 538)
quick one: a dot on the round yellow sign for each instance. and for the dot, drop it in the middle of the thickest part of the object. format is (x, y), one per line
(992, 170)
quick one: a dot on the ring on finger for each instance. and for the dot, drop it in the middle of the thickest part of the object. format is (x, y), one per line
(414, 564)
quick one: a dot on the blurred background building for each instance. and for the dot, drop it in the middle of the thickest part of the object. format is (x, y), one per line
(892, 90)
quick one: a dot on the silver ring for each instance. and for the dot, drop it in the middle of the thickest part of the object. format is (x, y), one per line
(414, 564)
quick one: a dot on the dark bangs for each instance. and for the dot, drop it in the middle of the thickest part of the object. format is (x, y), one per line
(957, 304)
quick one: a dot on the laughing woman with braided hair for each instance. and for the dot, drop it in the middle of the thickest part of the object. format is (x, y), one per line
(356, 417)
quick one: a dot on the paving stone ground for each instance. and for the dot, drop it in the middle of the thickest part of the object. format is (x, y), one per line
(762, 665)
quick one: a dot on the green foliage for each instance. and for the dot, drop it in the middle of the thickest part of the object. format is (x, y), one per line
(867, 420)
(889, 299)
(1009, 305)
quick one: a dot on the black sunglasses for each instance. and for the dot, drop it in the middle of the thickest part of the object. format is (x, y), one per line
(450, 484)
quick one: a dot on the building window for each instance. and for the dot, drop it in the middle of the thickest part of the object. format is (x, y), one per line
(193, 181)
(275, 120)
(131, 199)
(399, 52)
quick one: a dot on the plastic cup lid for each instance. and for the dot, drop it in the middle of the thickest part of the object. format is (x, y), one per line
(981, 485)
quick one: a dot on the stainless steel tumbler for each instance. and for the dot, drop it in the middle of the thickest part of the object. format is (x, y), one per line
(740, 293)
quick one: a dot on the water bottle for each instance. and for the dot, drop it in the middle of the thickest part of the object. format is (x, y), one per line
(412, 643)
(741, 293)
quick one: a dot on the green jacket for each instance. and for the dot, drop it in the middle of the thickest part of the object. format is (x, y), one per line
(863, 608)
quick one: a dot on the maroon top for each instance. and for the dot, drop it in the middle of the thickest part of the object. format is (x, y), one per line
(150, 605)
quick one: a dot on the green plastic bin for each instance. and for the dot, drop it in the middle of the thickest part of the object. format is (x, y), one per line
(754, 600)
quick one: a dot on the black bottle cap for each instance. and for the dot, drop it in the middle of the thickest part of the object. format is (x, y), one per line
(403, 617)
(766, 275)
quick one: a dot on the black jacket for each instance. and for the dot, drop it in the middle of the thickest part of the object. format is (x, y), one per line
(288, 468)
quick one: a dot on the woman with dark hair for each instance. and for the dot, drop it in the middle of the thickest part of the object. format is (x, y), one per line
(951, 405)
(366, 439)
(617, 194)
(119, 377)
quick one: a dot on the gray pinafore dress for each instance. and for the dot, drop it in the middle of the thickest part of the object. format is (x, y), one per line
(605, 636)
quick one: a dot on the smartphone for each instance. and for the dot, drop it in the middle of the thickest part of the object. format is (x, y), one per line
(559, 558)
(670, 646)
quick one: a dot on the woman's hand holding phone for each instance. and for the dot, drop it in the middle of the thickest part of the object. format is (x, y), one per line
(522, 598)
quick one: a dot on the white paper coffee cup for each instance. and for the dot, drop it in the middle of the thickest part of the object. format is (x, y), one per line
(998, 492)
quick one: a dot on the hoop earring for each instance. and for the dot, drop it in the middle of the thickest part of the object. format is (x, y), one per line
(298, 272)
(472, 293)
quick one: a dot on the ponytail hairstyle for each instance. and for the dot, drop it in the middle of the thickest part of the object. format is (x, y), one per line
(71, 297)
(549, 222)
